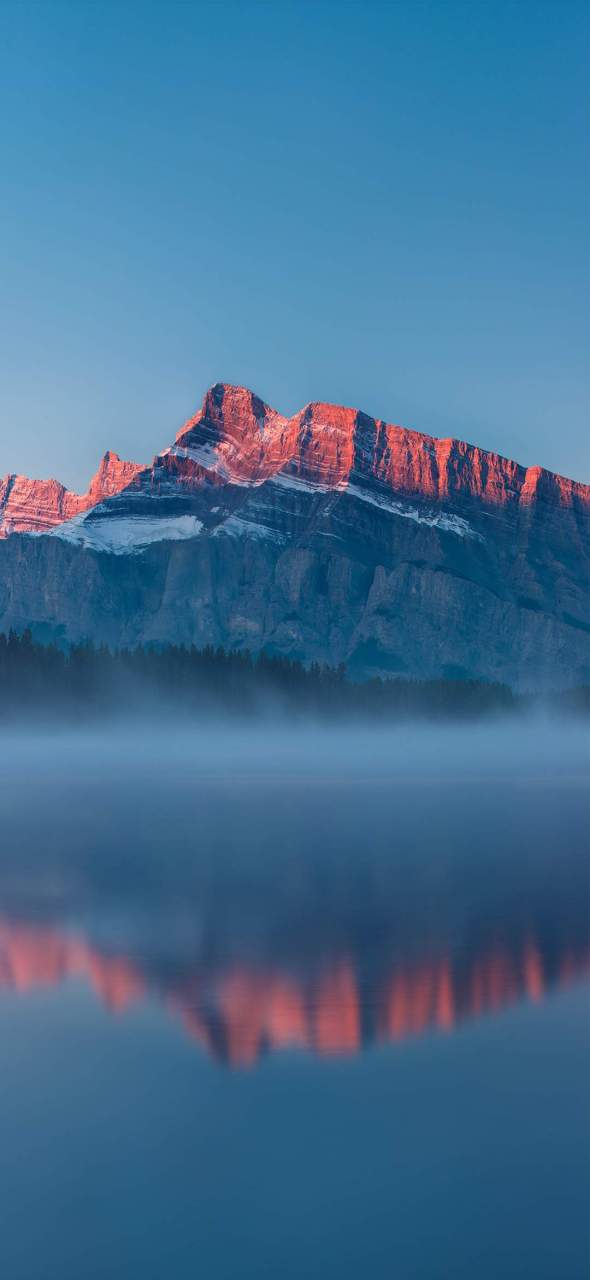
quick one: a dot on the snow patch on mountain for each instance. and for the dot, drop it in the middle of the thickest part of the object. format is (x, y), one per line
(434, 519)
(125, 535)
(285, 481)
(239, 526)
(208, 457)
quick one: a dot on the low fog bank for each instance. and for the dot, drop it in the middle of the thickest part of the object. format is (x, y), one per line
(45, 684)
(169, 754)
(375, 707)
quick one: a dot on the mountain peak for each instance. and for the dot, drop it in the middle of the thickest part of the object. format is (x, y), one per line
(112, 476)
(36, 506)
(238, 436)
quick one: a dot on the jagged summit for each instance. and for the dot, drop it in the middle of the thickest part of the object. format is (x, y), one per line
(329, 445)
(235, 437)
(36, 506)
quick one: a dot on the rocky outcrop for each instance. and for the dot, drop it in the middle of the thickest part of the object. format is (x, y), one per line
(235, 436)
(330, 536)
(35, 506)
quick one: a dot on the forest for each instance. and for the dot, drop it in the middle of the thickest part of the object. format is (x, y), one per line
(47, 681)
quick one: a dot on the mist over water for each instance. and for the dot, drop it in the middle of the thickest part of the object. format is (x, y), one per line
(510, 749)
(291, 982)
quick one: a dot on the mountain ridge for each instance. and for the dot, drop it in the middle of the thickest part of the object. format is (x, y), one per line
(327, 536)
(34, 506)
(408, 461)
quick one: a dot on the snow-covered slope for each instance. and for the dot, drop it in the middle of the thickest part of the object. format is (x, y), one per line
(124, 535)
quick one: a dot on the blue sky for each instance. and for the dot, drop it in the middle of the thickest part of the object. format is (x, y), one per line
(384, 205)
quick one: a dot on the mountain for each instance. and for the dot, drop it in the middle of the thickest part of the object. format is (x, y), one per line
(330, 536)
(35, 506)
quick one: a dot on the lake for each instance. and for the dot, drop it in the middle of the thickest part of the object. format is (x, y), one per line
(309, 1003)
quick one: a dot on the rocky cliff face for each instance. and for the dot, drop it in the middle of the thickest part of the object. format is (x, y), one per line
(235, 436)
(35, 506)
(329, 535)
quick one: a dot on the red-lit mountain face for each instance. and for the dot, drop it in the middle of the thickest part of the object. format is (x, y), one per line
(329, 535)
(35, 506)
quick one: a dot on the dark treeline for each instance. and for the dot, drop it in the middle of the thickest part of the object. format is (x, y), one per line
(85, 680)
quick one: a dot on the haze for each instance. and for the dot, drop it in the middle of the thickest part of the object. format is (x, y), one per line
(379, 205)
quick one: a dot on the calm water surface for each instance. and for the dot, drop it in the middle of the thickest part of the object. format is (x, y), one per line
(297, 1005)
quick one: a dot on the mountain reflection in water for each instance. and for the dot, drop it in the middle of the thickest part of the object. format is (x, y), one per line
(305, 1003)
(240, 1013)
(287, 907)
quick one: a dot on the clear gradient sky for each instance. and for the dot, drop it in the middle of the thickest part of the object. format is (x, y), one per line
(384, 205)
